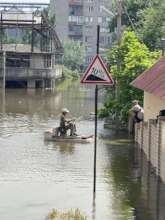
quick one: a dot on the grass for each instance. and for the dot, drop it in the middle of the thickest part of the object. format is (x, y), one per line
(68, 215)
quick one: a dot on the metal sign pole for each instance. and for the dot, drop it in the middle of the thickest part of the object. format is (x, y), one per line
(4, 70)
(96, 105)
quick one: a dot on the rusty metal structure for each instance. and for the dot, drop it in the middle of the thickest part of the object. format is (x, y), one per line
(33, 61)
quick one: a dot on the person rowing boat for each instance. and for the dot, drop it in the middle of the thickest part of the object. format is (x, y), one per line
(59, 134)
(67, 124)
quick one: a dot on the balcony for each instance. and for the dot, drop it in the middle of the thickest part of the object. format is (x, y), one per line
(18, 73)
(75, 2)
(75, 33)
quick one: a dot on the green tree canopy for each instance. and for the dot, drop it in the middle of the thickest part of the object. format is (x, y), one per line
(152, 25)
(148, 19)
(73, 54)
(134, 57)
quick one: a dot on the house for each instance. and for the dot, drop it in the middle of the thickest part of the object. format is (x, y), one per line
(150, 134)
(152, 82)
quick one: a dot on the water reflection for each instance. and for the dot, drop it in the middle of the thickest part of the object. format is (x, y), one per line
(152, 189)
(46, 103)
(64, 148)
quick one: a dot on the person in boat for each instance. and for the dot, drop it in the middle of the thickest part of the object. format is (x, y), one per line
(67, 124)
(136, 114)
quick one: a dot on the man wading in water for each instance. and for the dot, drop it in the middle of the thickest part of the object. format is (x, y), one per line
(67, 124)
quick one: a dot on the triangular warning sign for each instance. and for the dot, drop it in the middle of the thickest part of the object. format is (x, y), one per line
(97, 73)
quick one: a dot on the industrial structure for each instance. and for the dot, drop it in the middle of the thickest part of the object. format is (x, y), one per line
(28, 56)
(78, 19)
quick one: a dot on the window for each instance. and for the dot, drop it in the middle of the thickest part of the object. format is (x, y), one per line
(76, 10)
(18, 60)
(100, 20)
(75, 28)
(88, 39)
(90, 8)
(88, 28)
(104, 30)
(90, 1)
(88, 19)
(47, 61)
(77, 19)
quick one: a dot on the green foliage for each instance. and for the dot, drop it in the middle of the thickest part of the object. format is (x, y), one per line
(72, 215)
(70, 74)
(73, 54)
(132, 7)
(152, 25)
(148, 18)
(27, 36)
(132, 58)
(46, 14)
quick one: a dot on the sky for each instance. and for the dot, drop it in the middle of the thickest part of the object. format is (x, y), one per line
(24, 1)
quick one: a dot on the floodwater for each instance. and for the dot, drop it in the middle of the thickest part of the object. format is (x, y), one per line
(37, 176)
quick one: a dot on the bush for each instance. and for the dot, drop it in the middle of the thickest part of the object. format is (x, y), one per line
(69, 215)
(67, 73)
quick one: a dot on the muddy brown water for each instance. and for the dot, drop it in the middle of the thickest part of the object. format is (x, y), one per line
(37, 176)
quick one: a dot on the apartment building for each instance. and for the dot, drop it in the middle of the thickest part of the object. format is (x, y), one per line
(78, 20)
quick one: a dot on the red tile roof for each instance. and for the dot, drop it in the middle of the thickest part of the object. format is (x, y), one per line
(153, 79)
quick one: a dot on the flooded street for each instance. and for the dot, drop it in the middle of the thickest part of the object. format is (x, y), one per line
(37, 176)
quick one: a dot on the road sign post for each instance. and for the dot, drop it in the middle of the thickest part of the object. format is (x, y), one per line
(97, 74)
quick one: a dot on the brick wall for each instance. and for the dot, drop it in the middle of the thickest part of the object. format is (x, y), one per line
(150, 137)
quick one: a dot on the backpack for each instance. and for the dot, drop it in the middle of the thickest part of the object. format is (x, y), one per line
(139, 116)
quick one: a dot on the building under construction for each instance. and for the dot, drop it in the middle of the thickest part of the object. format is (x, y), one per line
(29, 47)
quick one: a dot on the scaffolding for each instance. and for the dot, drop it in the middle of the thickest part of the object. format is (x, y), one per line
(34, 60)
(36, 24)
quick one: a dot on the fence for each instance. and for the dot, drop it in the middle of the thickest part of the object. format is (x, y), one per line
(150, 137)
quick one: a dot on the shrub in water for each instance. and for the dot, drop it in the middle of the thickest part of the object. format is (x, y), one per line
(69, 215)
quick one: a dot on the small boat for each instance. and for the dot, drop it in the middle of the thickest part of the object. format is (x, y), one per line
(49, 136)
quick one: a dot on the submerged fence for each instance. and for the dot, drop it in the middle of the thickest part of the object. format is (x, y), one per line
(150, 137)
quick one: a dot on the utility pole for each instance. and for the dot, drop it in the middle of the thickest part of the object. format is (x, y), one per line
(119, 35)
(119, 18)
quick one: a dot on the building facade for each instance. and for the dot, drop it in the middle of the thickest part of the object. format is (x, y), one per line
(78, 20)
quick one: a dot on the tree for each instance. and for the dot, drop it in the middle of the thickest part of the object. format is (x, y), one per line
(73, 54)
(134, 58)
(146, 18)
(152, 25)
(130, 8)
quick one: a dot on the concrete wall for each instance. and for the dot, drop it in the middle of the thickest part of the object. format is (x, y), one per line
(152, 106)
(150, 137)
(37, 61)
